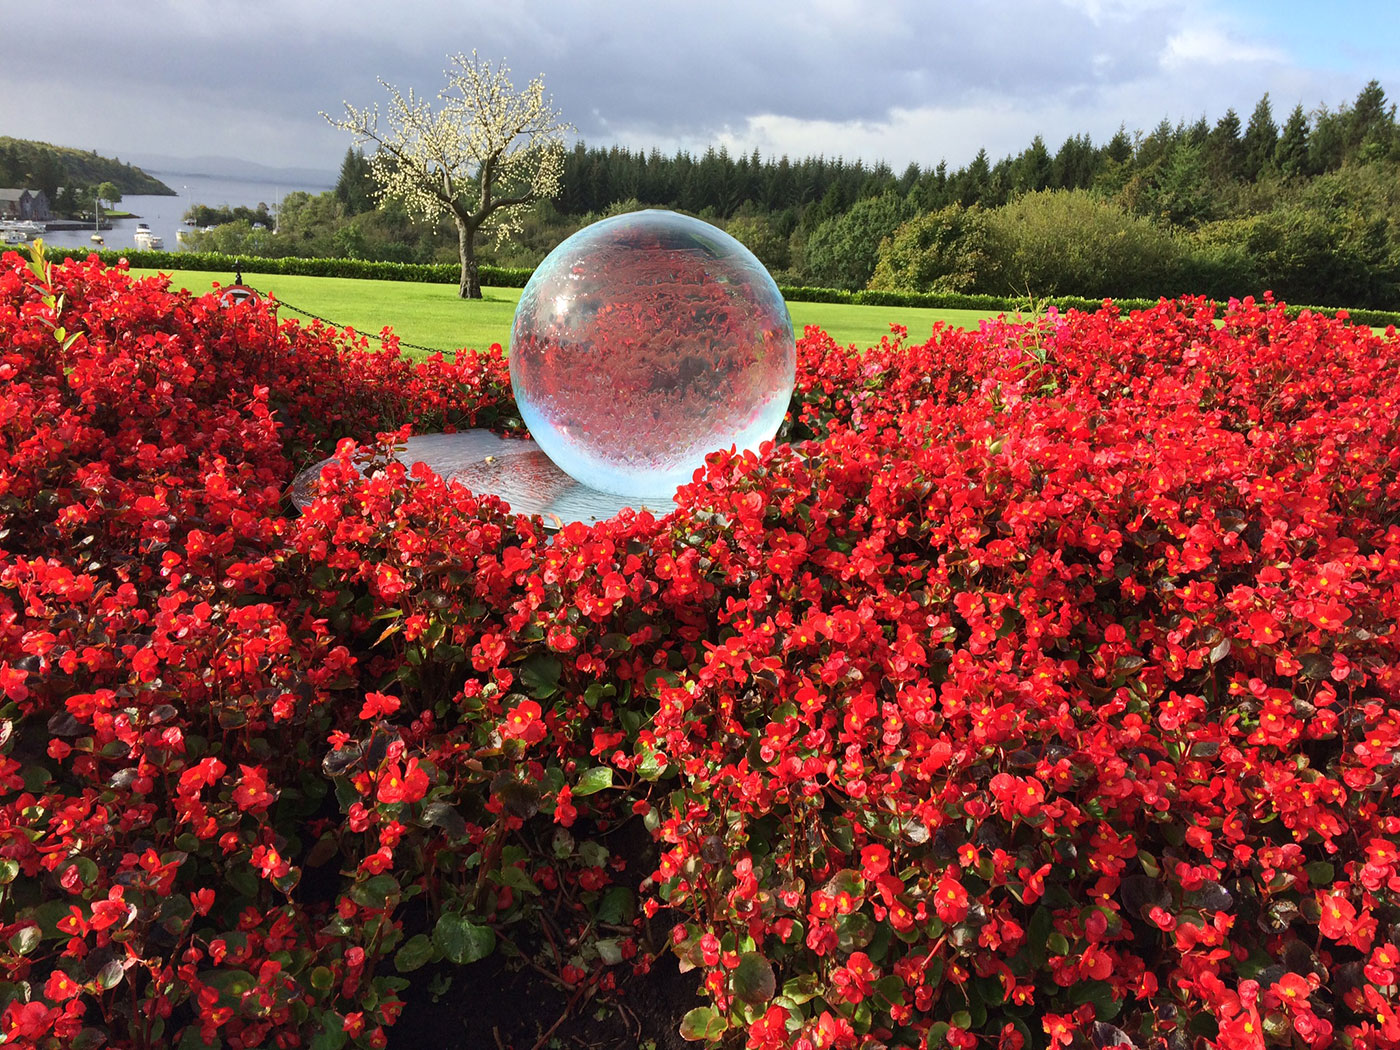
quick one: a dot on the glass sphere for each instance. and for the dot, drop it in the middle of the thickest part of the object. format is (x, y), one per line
(643, 343)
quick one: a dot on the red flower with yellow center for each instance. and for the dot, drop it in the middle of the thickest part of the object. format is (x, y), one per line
(950, 900)
(523, 723)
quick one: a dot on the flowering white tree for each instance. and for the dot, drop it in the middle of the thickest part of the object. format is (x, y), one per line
(483, 157)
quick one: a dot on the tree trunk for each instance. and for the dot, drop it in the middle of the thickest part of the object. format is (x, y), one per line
(470, 284)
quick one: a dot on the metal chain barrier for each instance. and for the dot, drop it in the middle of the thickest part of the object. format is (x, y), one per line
(336, 324)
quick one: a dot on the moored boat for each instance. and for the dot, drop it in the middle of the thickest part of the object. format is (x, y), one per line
(15, 231)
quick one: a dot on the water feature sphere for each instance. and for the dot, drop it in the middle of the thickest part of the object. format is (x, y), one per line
(644, 342)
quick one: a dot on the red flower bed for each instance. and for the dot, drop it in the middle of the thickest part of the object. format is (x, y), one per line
(1042, 691)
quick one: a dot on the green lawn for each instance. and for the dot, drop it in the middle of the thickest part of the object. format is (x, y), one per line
(431, 315)
(864, 325)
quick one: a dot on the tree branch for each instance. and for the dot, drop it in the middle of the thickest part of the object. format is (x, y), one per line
(486, 137)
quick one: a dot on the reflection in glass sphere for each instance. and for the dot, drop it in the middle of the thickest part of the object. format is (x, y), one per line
(645, 342)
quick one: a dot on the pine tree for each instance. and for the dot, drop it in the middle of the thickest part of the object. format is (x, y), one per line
(1291, 154)
(931, 191)
(1225, 149)
(1371, 124)
(877, 182)
(998, 184)
(1327, 143)
(1157, 146)
(908, 179)
(780, 191)
(1198, 134)
(1031, 171)
(833, 203)
(1075, 164)
(1182, 196)
(1120, 147)
(973, 183)
(355, 187)
(1260, 140)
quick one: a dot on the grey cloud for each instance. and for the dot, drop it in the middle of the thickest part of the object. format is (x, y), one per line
(199, 77)
(714, 65)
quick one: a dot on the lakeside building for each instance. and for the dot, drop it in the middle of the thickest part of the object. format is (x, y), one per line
(26, 205)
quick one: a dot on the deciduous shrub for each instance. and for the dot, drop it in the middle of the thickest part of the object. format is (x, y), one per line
(939, 251)
(1073, 242)
(763, 236)
(1341, 253)
(842, 251)
(1041, 689)
(1217, 258)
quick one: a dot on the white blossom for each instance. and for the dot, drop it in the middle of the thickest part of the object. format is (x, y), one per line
(482, 157)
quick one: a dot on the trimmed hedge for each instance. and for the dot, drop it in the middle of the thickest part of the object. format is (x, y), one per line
(517, 277)
(356, 269)
(1063, 303)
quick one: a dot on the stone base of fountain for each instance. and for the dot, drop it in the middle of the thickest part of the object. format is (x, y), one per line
(514, 469)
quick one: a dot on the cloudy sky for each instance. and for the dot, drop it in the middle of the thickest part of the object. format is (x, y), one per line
(898, 80)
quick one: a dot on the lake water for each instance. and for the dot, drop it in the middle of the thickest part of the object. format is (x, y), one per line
(163, 214)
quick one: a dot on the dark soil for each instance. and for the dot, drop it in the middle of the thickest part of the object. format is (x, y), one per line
(503, 1003)
(493, 1005)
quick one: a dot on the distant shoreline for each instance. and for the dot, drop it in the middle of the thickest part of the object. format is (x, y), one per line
(82, 224)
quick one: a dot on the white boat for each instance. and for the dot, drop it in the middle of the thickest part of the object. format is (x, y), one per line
(155, 244)
(14, 231)
(145, 239)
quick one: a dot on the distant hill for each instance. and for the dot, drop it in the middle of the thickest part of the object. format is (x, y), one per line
(234, 168)
(39, 165)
